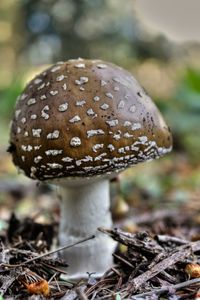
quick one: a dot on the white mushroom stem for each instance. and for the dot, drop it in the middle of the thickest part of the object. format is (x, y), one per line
(84, 208)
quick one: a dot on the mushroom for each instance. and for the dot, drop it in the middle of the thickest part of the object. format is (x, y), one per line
(77, 125)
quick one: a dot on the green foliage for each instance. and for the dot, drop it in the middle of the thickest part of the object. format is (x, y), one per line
(188, 94)
(191, 80)
(183, 113)
(7, 100)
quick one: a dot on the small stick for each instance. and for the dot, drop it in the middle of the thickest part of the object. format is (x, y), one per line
(51, 279)
(166, 239)
(7, 282)
(123, 260)
(57, 250)
(53, 251)
(166, 288)
(80, 293)
(54, 268)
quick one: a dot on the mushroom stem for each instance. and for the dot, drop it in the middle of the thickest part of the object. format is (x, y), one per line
(84, 208)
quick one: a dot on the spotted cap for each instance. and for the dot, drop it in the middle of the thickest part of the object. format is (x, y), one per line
(81, 118)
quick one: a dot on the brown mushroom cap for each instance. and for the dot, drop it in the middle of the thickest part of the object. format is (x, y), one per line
(83, 118)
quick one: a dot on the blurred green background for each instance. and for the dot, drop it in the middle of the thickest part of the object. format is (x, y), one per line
(36, 33)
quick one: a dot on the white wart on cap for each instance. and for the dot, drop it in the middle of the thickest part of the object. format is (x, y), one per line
(82, 118)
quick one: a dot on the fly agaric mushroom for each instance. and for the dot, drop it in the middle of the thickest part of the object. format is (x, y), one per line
(76, 125)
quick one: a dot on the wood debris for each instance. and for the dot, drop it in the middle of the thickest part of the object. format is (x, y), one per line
(148, 265)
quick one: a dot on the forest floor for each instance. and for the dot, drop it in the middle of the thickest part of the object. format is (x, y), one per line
(156, 214)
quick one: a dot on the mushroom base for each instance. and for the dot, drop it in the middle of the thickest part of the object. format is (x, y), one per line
(84, 209)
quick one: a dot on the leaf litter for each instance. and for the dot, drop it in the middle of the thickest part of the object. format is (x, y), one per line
(159, 261)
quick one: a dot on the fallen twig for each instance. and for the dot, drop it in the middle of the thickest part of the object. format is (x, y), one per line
(7, 282)
(50, 252)
(171, 239)
(180, 254)
(165, 289)
(80, 293)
